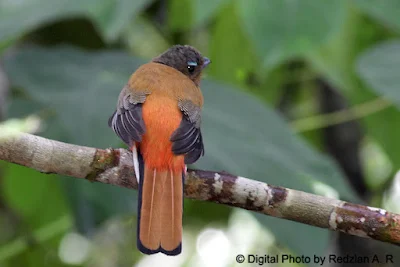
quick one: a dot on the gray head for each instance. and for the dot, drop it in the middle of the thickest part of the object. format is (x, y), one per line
(186, 59)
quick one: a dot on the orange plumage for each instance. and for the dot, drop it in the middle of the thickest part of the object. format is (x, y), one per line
(158, 116)
(162, 188)
(162, 117)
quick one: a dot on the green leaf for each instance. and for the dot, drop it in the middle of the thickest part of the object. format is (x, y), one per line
(378, 68)
(17, 18)
(46, 236)
(387, 12)
(244, 137)
(79, 87)
(144, 38)
(20, 17)
(336, 63)
(227, 66)
(30, 193)
(284, 29)
(180, 15)
(204, 10)
(117, 14)
(241, 135)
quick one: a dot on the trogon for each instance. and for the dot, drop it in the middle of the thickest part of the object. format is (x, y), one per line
(158, 116)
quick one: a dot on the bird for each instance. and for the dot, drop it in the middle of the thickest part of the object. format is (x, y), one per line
(158, 116)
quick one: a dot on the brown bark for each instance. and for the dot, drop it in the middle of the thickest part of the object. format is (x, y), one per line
(114, 166)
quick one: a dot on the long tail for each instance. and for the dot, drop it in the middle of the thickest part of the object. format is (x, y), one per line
(160, 211)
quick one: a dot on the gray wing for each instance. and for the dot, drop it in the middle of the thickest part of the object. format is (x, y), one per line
(127, 121)
(187, 138)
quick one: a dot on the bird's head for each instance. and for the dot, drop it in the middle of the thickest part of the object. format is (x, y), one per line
(185, 59)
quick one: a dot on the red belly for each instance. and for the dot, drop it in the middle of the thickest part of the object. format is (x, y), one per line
(162, 117)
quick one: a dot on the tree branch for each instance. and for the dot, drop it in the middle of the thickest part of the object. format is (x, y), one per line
(114, 166)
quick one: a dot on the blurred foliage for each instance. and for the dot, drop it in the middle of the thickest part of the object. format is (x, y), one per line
(68, 60)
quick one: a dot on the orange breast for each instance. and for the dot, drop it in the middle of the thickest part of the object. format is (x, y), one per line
(162, 117)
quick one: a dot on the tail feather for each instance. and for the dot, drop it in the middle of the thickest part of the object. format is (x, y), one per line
(171, 208)
(150, 211)
(160, 211)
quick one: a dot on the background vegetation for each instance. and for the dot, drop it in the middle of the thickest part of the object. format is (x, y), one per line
(302, 94)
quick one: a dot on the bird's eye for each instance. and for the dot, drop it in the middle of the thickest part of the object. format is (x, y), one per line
(191, 66)
(191, 69)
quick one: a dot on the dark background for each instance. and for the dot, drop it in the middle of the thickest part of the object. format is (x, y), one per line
(302, 94)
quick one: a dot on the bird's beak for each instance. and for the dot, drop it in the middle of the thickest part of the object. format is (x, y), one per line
(206, 62)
